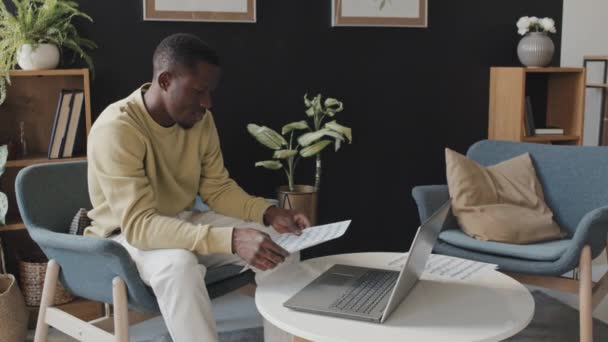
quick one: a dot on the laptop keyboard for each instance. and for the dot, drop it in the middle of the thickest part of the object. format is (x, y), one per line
(365, 294)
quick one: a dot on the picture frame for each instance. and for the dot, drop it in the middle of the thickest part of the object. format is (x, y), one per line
(391, 13)
(237, 11)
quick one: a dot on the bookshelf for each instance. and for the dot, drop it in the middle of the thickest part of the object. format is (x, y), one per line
(32, 98)
(558, 96)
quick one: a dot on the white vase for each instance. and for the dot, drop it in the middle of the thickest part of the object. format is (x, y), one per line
(44, 56)
(535, 49)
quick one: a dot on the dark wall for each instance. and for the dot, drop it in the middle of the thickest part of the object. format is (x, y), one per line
(408, 93)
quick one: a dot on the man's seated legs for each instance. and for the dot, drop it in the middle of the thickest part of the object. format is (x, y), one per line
(177, 279)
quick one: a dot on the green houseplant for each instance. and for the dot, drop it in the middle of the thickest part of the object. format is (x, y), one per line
(37, 24)
(3, 198)
(303, 139)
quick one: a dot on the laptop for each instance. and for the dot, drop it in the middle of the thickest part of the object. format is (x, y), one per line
(370, 294)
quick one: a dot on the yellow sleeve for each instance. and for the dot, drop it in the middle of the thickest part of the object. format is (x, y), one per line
(116, 154)
(218, 190)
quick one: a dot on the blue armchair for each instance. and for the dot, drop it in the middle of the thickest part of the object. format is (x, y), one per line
(48, 196)
(575, 184)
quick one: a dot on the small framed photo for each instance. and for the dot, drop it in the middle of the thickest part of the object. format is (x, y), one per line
(397, 13)
(242, 11)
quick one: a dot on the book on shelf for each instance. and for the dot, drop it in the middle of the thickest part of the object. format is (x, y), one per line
(68, 125)
(529, 118)
(75, 124)
(549, 130)
(60, 124)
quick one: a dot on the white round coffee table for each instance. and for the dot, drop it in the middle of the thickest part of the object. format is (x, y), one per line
(489, 306)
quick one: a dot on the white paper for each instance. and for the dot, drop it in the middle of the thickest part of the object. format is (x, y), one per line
(310, 236)
(444, 266)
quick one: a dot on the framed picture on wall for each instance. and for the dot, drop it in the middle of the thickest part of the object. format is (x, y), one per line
(200, 10)
(399, 13)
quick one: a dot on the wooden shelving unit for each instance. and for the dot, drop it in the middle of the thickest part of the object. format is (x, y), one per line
(32, 99)
(559, 91)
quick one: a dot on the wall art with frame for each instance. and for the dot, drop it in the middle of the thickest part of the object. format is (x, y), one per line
(201, 10)
(398, 13)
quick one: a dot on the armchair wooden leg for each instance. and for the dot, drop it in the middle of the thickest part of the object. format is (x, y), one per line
(585, 296)
(48, 294)
(121, 310)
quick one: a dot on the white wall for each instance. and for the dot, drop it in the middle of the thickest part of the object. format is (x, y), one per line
(585, 32)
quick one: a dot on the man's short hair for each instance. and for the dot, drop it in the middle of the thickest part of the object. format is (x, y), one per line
(182, 50)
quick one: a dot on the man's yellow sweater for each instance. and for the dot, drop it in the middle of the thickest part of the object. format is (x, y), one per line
(142, 174)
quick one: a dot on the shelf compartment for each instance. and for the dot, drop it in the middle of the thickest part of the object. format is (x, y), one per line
(38, 159)
(12, 226)
(52, 72)
(597, 85)
(551, 137)
(552, 70)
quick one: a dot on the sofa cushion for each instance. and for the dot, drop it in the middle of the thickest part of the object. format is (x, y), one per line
(502, 202)
(544, 251)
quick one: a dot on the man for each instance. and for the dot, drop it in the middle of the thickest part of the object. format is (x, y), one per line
(149, 155)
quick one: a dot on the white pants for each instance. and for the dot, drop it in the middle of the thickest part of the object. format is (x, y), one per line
(177, 277)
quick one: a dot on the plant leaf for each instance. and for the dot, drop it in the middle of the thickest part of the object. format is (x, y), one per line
(309, 138)
(310, 111)
(314, 149)
(3, 208)
(284, 154)
(3, 157)
(306, 100)
(294, 125)
(266, 136)
(270, 164)
(334, 126)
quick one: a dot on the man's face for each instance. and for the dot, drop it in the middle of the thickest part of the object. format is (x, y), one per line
(189, 93)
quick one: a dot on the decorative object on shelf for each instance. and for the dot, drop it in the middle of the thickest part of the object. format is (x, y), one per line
(13, 313)
(536, 48)
(3, 197)
(41, 57)
(401, 13)
(22, 140)
(203, 10)
(33, 35)
(310, 143)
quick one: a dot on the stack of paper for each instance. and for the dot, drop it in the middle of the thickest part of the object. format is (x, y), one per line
(444, 266)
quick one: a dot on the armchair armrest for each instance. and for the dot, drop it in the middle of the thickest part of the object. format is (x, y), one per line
(88, 266)
(429, 199)
(592, 230)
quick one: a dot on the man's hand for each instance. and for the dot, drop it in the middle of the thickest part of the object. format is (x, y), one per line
(285, 220)
(257, 248)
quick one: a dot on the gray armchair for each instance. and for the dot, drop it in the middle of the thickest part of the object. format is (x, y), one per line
(49, 195)
(575, 184)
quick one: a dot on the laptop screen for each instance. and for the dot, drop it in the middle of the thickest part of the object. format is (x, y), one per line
(419, 253)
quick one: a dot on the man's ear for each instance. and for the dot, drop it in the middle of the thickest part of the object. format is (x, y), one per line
(164, 79)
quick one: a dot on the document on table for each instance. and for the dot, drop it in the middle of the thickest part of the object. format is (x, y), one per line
(444, 266)
(310, 236)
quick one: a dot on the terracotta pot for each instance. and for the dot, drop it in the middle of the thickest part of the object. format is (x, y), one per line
(303, 198)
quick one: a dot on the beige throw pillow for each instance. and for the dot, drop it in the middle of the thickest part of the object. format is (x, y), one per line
(502, 202)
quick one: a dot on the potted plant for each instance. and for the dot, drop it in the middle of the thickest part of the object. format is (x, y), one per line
(33, 35)
(3, 198)
(535, 49)
(299, 140)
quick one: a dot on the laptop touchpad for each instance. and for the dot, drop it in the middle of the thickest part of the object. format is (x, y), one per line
(337, 279)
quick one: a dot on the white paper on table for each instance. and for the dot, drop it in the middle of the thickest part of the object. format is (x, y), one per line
(310, 236)
(444, 266)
